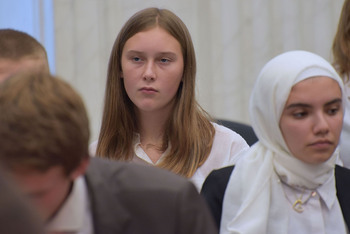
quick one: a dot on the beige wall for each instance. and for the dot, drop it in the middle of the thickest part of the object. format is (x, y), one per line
(233, 40)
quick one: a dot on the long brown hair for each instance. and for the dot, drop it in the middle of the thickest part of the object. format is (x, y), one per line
(188, 129)
(341, 43)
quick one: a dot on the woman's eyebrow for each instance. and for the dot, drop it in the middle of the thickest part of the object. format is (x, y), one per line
(298, 104)
(335, 101)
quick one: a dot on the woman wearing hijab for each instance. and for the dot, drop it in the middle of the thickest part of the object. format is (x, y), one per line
(288, 182)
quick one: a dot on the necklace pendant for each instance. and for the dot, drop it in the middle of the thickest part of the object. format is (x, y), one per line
(298, 206)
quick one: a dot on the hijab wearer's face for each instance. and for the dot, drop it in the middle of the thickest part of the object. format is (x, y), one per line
(312, 119)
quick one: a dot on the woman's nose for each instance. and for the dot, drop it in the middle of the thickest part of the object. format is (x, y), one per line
(149, 73)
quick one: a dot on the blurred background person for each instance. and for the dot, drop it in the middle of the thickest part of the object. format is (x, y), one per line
(44, 132)
(20, 52)
(341, 55)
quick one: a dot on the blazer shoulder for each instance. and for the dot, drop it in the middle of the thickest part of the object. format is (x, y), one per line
(218, 177)
(131, 176)
(342, 176)
(213, 191)
(145, 194)
(342, 181)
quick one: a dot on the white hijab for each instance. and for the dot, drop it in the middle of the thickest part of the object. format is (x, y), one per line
(254, 199)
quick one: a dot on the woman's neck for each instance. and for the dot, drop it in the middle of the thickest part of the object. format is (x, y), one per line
(151, 125)
(151, 129)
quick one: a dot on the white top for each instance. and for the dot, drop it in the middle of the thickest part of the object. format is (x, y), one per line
(75, 216)
(345, 135)
(320, 210)
(225, 151)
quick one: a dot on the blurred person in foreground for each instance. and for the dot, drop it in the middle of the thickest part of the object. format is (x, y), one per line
(44, 132)
(16, 215)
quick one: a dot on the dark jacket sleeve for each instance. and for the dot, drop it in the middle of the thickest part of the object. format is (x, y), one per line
(213, 191)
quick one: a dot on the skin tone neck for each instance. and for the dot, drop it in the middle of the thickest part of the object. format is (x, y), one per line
(151, 126)
(151, 129)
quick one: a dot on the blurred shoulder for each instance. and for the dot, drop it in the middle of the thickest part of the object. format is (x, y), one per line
(136, 176)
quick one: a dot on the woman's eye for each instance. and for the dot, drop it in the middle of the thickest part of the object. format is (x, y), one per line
(136, 59)
(164, 60)
(299, 115)
(333, 111)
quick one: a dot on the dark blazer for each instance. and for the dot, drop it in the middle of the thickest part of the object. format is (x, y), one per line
(215, 184)
(130, 198)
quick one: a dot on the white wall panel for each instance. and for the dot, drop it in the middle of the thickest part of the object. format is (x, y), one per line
(233, 40)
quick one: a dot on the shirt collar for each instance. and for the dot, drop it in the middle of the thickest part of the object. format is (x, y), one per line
(141, 154)
(70, 217)
(327, 191)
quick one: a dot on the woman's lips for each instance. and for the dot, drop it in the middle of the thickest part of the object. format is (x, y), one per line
(322, 144)
(148, 90)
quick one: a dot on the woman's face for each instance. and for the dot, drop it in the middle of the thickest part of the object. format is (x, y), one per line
(312, 119)
(152, 69)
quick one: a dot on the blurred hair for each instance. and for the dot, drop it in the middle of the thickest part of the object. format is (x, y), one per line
(16, 45)
(341, 42)
(43, 123)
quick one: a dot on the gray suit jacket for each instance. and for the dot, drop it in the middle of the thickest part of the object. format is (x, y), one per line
(130, 198)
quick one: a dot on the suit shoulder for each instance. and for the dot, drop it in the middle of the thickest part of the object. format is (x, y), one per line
(342, 174)
(132, 176)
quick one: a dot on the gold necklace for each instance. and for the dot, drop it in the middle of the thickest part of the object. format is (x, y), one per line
(297, 205)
